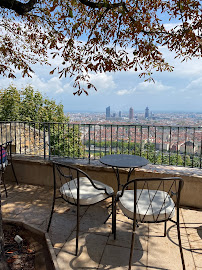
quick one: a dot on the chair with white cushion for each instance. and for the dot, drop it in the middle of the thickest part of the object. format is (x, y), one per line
(150, 201)
(77, 188)
(5, 160)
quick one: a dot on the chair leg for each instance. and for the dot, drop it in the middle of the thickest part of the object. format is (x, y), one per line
(180, 243)
(52, 210)
(113, 214)
(132, 245)
(16, 180)
(77, 229)
(114, 219)
(165, 228)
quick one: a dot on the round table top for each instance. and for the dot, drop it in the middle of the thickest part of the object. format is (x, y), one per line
(124, 161)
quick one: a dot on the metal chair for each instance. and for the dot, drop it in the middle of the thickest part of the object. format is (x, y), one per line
(5, 160)
(77, 188)
(150, 201)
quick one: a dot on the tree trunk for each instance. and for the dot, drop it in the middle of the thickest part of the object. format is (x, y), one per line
(3, 263)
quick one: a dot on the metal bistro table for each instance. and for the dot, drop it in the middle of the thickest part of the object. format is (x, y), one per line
(121, 161)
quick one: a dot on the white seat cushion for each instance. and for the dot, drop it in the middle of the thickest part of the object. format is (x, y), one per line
(88, 194)
(147, 211)
(4, 164)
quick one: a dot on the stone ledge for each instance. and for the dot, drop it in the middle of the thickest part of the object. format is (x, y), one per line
(168, 169)
(96, 165)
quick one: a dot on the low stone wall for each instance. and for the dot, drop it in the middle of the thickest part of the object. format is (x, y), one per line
(36, 171)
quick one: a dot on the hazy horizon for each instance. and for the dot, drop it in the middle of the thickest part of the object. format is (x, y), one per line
(135, 111)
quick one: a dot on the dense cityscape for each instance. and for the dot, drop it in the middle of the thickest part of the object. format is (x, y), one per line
(146, 117)
(163, 135)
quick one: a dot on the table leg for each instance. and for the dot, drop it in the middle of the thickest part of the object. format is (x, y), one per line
(129, 173)
(116, 170)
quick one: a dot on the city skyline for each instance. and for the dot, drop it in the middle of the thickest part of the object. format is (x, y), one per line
(126, 111)
(130, 113)
(138, 111)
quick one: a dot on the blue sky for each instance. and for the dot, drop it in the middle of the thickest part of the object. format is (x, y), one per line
(180, 90)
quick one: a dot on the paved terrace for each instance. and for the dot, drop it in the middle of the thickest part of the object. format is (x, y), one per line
(97, 249)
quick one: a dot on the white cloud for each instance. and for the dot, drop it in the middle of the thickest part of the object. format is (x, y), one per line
(55, 85)
(151, 87)
(182, 69)
(191, 68)
(169, 26)
(37, 82)
(126, 92)
(195, 85)
(103, 81)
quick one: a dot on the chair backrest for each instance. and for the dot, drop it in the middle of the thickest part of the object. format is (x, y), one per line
(68, 179)
(153, 199)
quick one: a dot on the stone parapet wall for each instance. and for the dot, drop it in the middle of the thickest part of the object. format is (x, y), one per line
(37, 171)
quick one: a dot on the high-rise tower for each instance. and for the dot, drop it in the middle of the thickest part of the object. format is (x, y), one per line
(147, 112)
(131, 113)
(108, 112)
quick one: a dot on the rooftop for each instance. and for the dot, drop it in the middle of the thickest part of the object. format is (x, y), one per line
(97, 249)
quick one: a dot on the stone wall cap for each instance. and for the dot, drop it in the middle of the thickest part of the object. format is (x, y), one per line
(97, 165)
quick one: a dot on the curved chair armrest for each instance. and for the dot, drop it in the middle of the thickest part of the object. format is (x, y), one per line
(80, 172)
(120, 193)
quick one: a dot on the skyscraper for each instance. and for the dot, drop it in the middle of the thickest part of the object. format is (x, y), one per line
(119, 113)
(131, 113)
(147, 112)
(108, 112)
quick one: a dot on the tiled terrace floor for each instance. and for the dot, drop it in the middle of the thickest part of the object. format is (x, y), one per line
(97, 249)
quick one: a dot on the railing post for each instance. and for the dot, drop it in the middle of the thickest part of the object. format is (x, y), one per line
(178, 136)
(73, 142)
(89, 144)
(25, 138)
(44, 141)
(193, 148)
(162, 138)
(201, 150)
(49, 152)
(111, 139)
(185, 148)
(140, 140)
(94, 142)
(155, 146)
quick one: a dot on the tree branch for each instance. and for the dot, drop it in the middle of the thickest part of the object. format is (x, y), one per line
(97, 21)
(17, 6)
(100, 4)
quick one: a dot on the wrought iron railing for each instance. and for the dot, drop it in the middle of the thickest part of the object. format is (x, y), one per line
(166, 145)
